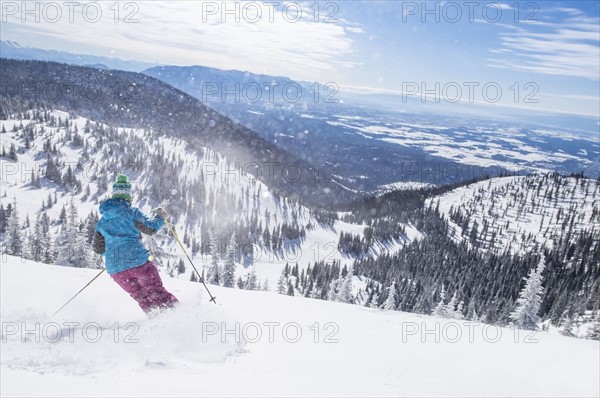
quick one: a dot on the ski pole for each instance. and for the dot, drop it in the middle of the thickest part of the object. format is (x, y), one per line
(82, 289)
(212, 298)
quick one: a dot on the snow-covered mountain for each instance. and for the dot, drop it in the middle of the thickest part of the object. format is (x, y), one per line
(522, 214)
(396, 250)
(133, 100)
(318, 206)
(384, 143)
(56, 168)
(14, 50)
(260, 344)
(214, 86)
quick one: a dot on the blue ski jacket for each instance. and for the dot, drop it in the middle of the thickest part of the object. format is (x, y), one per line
(118, 235)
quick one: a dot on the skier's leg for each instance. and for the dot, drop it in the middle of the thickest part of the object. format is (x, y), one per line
(153, 288)
(129, 281)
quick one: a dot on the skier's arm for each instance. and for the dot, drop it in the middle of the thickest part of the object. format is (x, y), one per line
(99, 243)
(145, 224)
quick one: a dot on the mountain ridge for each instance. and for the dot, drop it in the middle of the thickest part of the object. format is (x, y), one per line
(135, 100)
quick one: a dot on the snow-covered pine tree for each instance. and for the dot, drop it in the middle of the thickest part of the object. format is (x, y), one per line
(82, 257)
(213, 275)
(374, 301)
(290, 289)
(345, 294)
(282, 283)
(47, 244)
(451, 310)
(12, 153)
(441, 309)
(474, 316)
(35, 244)
(314, 293)
(454, 310)
(251, 281)
(14, 240)
(72, 243)
(90, 225)
(567, 329)
(334, 287)
(64, 246)
(390, 302)
(180, 267)
(3, 220)
(229, 266)
(594, 331)
(63, 215)
(52, 172)
(526, 314)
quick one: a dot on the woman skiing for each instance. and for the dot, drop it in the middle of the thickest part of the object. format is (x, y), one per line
(118, 237)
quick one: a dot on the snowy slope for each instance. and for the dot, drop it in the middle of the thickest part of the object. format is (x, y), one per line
(520, 213)
(377, 353)
(199, 166)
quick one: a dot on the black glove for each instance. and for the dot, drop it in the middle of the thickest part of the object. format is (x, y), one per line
(162, 213)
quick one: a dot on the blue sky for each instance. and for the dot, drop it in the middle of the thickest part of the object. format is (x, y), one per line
(373, 46)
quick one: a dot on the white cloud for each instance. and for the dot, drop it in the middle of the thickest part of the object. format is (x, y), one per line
(569, 48)
(355, 30)
(563, 10)
(503, 6)
(184, 33)
(575, 96)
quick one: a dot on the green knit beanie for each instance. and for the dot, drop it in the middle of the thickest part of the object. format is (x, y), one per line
(121, 188)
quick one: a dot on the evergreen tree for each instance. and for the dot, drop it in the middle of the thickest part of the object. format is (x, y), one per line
(63, 215)
(229, 266)
(73, 249)
(90, 227)
(46, 241)
(594, 332)
(345, 294)
(454, 310)
(36, 244)
(526, 314)
(240, 282)
(568, 328)
(474, 316)
(251, 281)
(450, 310)
(390, 302)
(290, 289)
(374, 301)
(12, 153)
(52, 171)
(441, 309)
(14, 241)
(49, 201)
(281, 283)
(334, 287)
(3, 219)
(180, 267)
(214, 272)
